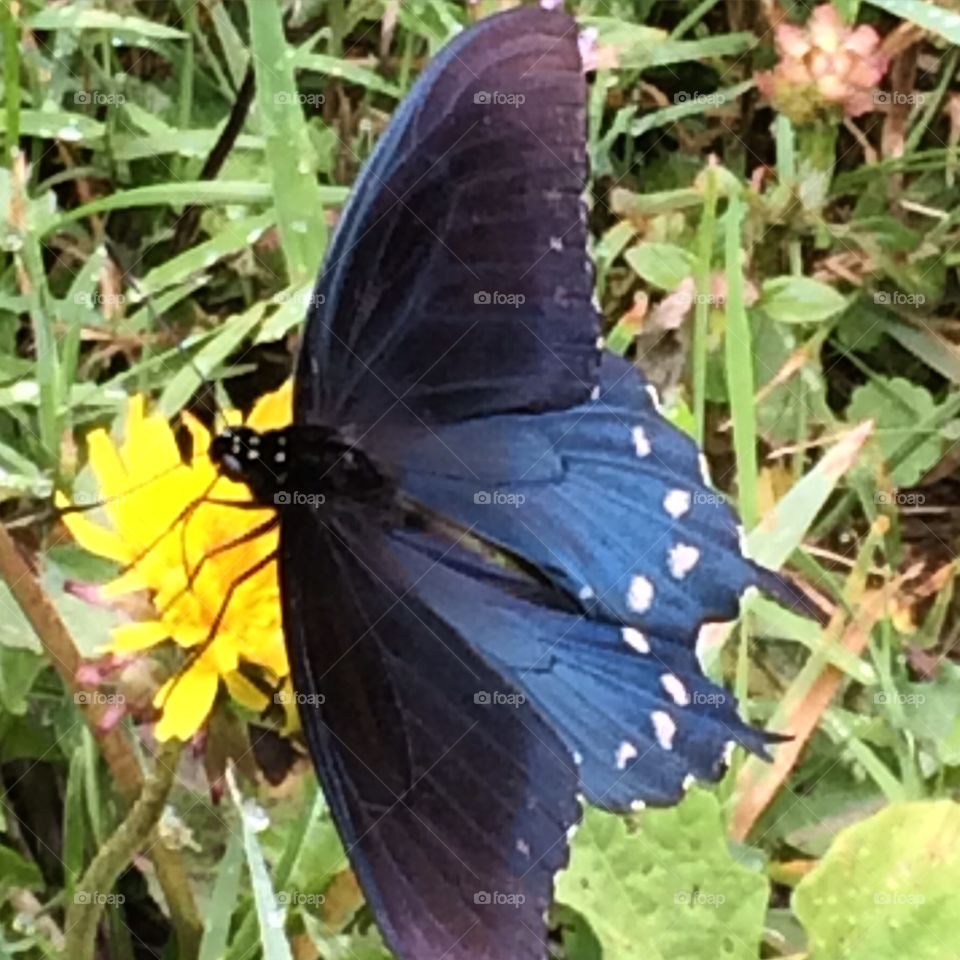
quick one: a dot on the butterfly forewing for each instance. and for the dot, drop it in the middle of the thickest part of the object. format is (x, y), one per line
(458, 282)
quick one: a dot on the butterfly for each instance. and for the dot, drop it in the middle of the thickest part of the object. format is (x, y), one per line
(495, 554)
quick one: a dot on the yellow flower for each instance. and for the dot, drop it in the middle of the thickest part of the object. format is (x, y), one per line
(162, 532)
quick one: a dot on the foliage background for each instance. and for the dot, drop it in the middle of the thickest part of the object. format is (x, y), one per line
(782, 282)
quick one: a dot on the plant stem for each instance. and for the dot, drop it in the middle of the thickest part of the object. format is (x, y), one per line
(137, 829)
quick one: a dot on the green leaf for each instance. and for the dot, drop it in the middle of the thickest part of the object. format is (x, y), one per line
(17, 872)
(663, 265)
(930, 16)
(77, 17)
(348, 71)
(216, 924)
(888, 888)
(290, 157)
(664, 885)
(800, 300)
(270, 916)
(896, 406)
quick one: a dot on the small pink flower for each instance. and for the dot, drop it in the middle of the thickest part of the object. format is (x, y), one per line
(824, 66)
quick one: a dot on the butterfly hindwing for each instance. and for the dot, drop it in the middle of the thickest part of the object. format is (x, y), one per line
(634, 708)
(454, 815)
(458, 282)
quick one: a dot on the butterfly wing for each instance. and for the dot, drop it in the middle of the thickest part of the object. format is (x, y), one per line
(454, 817)
(606, 499)
(458, 282)
(633, 708)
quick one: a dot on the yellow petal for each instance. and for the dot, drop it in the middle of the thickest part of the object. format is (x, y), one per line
(198, 434)
(244, 692)
(96, 539)
(130, 637)
(186, 701)
(273, 410)
(111, 474)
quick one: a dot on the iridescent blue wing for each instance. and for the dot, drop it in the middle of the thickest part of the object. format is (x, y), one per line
(634, 709)
(458, 282)
(454, 817)
(606, 499)
(606, 505)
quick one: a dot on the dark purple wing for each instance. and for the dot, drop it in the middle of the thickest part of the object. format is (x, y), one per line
(454, 812)
(458, 282)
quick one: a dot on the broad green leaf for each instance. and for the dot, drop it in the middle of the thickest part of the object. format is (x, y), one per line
(929, 15)
(800, 300)
(663, 265)
(896, 406)
(664, 885)
(888, 888)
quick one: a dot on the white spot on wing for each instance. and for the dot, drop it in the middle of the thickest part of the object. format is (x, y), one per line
(640, 595)
(556, 243)
(677, 503)
(683, 558)
(637, 805)
(664, 728)
(640, 442)
(705, 471)
(674, 686)
(625, 753)
(586, 593)
(595, 393)
(634, 638)
(654, 397)
(523, 847)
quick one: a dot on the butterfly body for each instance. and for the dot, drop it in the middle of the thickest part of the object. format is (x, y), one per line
(492, 601)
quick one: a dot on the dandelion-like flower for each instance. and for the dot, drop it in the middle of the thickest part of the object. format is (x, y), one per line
(190, 554)
(824, 67)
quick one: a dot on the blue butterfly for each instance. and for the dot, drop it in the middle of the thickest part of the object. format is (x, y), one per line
(495, 553)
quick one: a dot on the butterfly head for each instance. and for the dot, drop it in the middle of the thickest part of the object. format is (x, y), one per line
(258, 460)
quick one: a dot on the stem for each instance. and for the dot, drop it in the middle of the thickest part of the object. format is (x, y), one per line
(113, 743)
(137, 829)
